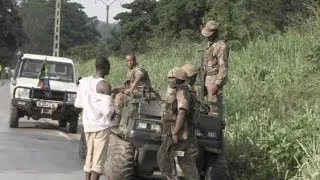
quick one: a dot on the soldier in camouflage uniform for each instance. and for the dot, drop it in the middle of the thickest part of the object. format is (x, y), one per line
(215, 66)
(178, 128)
(192, 73)
(137, 79)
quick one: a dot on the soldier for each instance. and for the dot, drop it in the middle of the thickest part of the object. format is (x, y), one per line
(192, 73)
(137, 78)
(178, 129)
(215, 66)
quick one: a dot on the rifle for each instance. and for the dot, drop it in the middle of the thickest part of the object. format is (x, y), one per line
(202, 72)
(119, 89)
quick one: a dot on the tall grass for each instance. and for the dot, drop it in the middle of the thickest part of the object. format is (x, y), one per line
(271, 101)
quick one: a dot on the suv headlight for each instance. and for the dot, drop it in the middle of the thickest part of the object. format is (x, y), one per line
(71, 97)
(22, 93)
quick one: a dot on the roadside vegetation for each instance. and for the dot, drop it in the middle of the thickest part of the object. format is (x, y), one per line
(271, 100)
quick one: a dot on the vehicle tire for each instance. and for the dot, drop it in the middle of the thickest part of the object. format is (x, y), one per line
(14, 117)
(217, 167)
(120, 159)
(62, 123)
(73, 124)
(82, 147)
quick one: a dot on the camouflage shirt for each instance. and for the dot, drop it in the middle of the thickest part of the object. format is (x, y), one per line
(216, 61)
(136, 72)
(181, 98)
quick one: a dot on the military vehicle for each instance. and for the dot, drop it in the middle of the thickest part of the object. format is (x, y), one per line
(134, 145)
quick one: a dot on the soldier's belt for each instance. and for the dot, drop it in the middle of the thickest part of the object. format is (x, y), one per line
(213, 73)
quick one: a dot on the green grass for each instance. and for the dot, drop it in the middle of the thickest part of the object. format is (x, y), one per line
(271, 101)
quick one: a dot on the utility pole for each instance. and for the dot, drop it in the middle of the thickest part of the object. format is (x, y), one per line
(107, 12)
(56, 37)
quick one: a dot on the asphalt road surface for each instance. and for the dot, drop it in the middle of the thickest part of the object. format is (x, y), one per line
(37, 150)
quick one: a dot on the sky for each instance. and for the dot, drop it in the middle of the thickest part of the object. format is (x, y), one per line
(97, 8)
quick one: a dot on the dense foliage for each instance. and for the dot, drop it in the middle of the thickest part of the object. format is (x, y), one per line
(38, 21)
(241, 20)
(11, 31)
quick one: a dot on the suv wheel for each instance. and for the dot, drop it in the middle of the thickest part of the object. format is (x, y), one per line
(82, 147)
(120, 159)
(14, 117)
(62, 123)
(73, 125)
(217, 167)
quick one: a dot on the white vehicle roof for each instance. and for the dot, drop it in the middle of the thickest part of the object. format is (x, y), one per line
(49, 58)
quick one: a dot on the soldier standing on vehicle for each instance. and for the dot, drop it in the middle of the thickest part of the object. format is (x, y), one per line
(94, 97)
(137, 79)
(178, 129)
(215, 66)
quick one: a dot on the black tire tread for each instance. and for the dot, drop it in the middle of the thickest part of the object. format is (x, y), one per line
(62, 123)
(14, 117)
(73, 125)
(120, 159)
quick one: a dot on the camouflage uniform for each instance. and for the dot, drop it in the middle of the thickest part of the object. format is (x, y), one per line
(180, 98)
(132, 74)
(216, 67)
(192, 71)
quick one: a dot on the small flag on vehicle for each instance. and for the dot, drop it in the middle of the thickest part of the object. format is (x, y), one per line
(44, 82)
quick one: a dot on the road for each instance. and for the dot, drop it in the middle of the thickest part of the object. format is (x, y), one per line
(37, 150)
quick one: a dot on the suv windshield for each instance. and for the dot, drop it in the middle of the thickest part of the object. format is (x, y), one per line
(31, 68)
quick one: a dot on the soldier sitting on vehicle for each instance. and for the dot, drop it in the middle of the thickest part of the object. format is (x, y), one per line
(137, 80)
(179, 140)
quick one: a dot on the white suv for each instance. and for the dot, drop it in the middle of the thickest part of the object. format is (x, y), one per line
(27, 99)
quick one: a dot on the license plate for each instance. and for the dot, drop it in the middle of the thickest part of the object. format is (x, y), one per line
(46, 104)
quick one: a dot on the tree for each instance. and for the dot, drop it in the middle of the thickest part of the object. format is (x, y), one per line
(180, 18)
(11, 31)
(136, 25)
(38, 19)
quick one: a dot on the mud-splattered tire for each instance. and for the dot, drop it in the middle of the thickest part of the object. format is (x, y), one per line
(217, 167)
(120, 159)
(14, 117)
(82, 147)
(73, 125)
(62, 123)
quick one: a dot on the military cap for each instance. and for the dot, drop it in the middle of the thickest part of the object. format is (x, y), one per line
(190, 69)
(178, 73)
(209, 28)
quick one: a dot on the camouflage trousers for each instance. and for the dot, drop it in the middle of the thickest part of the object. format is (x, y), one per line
(215, 99)
(187, 162)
